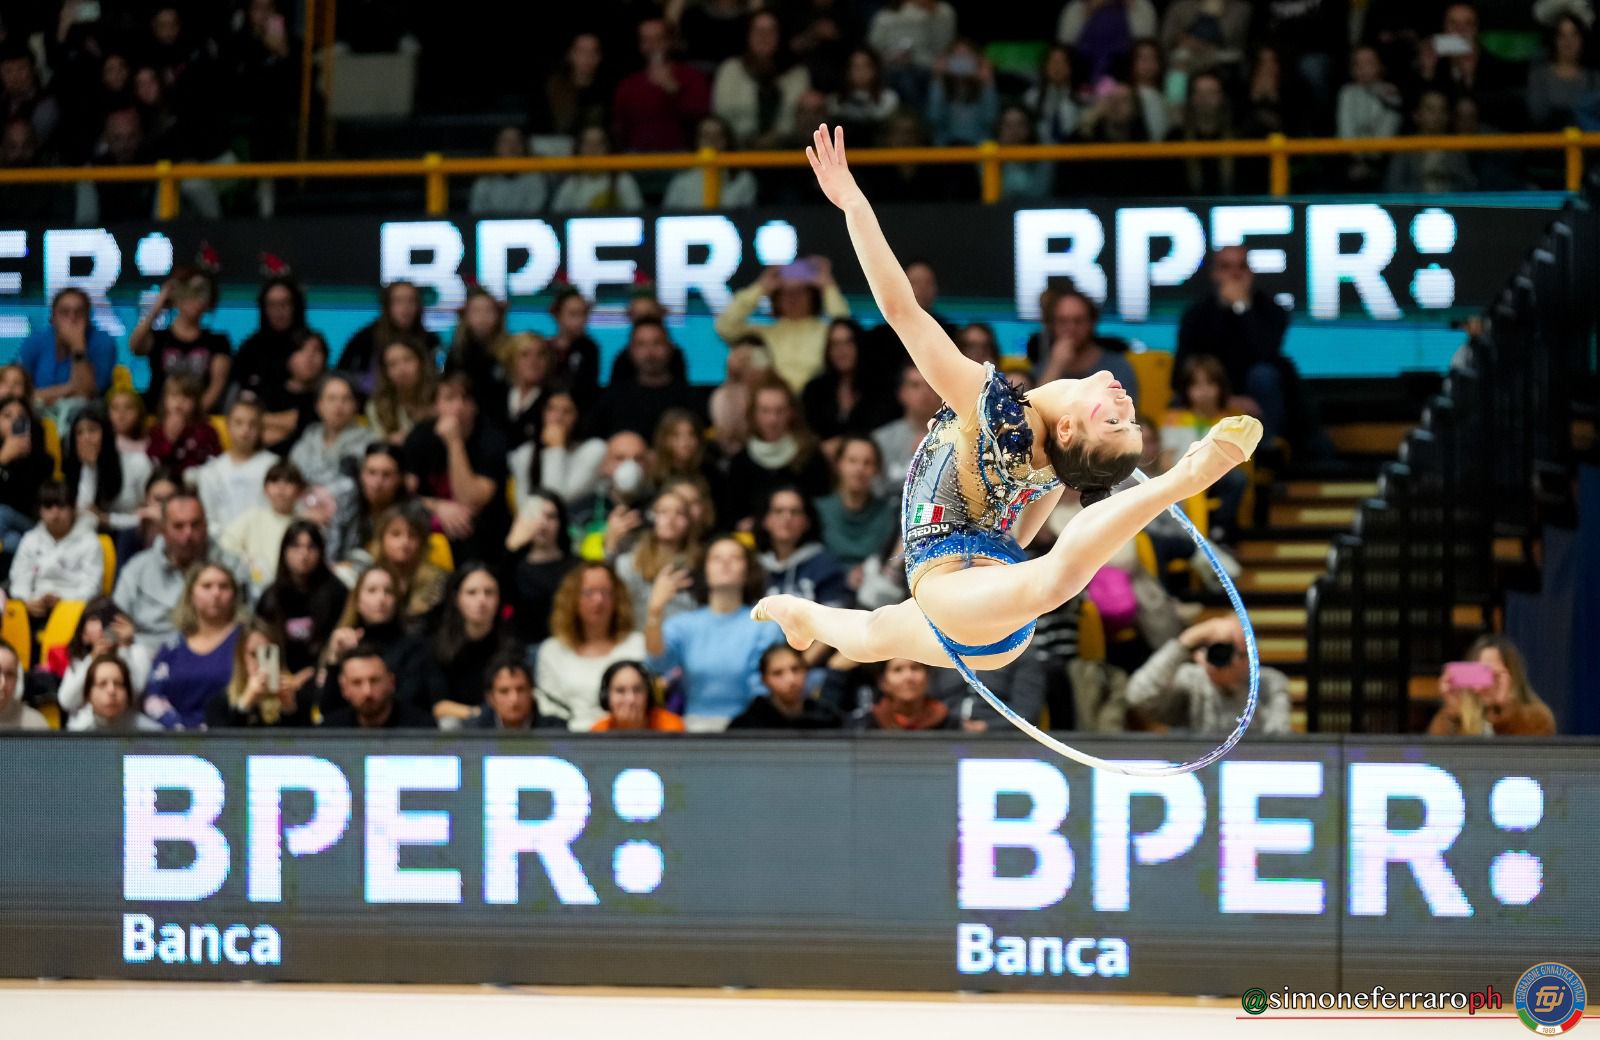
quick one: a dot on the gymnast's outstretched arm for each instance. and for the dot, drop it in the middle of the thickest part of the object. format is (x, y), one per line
(952, 375)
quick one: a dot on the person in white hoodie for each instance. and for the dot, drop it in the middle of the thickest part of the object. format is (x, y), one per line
(103, 629)
(56, 559)
(229, 485)
(113, 706)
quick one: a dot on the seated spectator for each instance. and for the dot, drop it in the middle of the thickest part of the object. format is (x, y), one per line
(183, 436)
(113, 705)
(1505, 707)
(1203, 400)
(1053, 100)
(480, 346)
(804, 297)
(400, 318)
(575, 95)
(13, 713)
(372, 616)
(639, 403)
(590, 192)
(574, 355)
(264, 689)
(22, 95)
(655, 108)
(736, 188)
(671, 541)
(910, 35)
(31, 203)
(24, 468)
(379, 486)
(262, 358)
(15, 382)
(331, 448)
(844, 398)
(102, 629)
(1434, 170)
(1243, 328)
(289, 407)
(229, 485)
(197, 664)
(680, 450)
(865, 101)
(1101, 32)
(897, 440)
(305, 600)
(756, 92)
(1199, 682)
(458, 466)
(58, 559)
(963, 105)
(749, 362)
(108, 484)
(1116, 116)
(1369, 106)
(403, 396)
(157, 492)
(789, 543)
(527, 390)
(916, 182)
(509, 697)
(1206, 35)
(1021, 180)
(1563, 82)
(120, 143)
(1147, 75)
(541, 543)
(904, 703)
(469, 633)
(256, 535)
(368, 690)
(713, 30)
(560, 462)
(1469, 70)
(780, 451)
(627, 696)
(856, 522)
(785, 704)
(508, 193)
(717, 646)
(399, 542)
(978, 342)
(591, 627)
(70, 360)
(697, 499)
(184, 347)
(1207, 116)
(1021, 685)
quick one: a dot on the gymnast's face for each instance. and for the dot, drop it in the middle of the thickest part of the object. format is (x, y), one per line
(1096, 408)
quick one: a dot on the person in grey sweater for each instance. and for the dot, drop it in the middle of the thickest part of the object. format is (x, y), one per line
(151, 582)
(1199, 682)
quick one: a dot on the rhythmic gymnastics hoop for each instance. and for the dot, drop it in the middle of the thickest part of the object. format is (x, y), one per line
(1130, 769)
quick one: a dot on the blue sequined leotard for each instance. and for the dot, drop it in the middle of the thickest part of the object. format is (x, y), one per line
(968, 481)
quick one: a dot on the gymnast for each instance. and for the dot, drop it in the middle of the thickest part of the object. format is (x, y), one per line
(992, 467)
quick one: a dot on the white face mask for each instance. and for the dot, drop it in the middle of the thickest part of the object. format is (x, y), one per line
(628, 477)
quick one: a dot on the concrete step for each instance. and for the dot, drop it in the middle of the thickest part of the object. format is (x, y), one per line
(1276, 551)
(1317, 516)
(1328, 490)
(1369, 438)
(1266, 619)
(1278, 580)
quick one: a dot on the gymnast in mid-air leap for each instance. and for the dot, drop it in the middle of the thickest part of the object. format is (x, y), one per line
(992, 467)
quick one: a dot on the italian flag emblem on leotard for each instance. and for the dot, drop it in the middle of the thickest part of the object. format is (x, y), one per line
(926, 513)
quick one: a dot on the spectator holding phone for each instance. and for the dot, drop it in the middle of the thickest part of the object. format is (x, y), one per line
(102, 630)
(1199, 682)
(184, 347)
(262, 692)
(24, 467)
(804, 299)
(1487, 694)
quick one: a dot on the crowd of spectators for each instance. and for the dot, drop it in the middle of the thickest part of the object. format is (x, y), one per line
(480, 530)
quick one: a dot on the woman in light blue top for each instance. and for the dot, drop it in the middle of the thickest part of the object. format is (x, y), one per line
(718, 646)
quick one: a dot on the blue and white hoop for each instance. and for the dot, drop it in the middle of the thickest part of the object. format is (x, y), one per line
(1127, 768)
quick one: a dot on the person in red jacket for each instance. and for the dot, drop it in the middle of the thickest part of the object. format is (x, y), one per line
(657, 108)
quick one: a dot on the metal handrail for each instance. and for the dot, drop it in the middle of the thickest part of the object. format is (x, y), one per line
(436, 170)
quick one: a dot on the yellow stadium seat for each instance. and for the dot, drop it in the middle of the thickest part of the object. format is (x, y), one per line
(1147, 553)
(1091, 632)
(17, 630)
(108, 552)
(60, 626)
(439, 553)
(220, 424)
(52, 714)
(121, 378)
(1198, 508)
(52, 441)
(1153, 369)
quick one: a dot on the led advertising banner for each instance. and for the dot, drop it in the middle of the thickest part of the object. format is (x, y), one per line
(895, 863)
(1365, 260)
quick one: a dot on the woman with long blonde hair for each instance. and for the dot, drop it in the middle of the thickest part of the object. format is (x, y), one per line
(400, 542)
(404, 393)
(1506, 706)
(259, 695)
(198, 664)
(671, 540)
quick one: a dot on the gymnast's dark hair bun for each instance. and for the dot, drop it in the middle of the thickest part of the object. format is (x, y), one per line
(1093, 493)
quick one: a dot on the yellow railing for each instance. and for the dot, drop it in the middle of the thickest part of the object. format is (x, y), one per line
(436, 170)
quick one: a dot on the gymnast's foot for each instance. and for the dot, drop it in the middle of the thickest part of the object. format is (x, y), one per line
(790, 612)
(1230, 442)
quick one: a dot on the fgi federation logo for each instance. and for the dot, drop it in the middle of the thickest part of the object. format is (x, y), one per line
(1550, 998)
